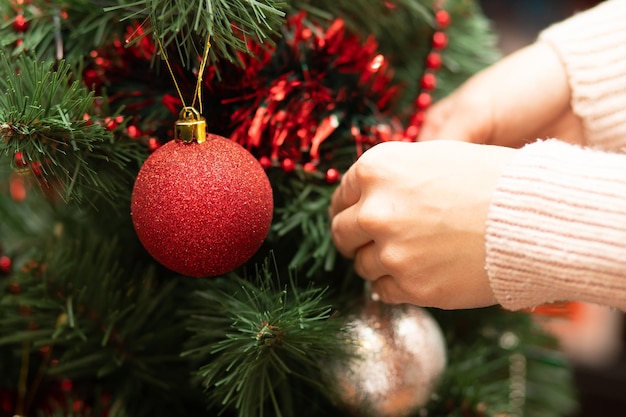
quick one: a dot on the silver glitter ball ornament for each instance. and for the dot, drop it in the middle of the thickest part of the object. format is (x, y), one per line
(397, 356)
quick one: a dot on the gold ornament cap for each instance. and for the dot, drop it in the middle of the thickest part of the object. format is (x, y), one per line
(190, 126)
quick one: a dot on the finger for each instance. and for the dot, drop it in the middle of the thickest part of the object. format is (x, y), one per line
(347, 194)
(347, 233)
(367, 262)
(387, 290)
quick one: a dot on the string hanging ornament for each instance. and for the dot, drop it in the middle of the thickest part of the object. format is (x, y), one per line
(201, 205)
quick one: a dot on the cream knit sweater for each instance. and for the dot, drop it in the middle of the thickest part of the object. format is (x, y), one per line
(557, 223)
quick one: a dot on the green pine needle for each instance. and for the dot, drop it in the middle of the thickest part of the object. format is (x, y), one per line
(42, 116)
(59, 29)
(255, 336)
(302, 215)
(106, 322)
(188, 23)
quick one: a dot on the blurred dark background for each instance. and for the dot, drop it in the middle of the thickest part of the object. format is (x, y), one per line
(596, 343)
(519, 21)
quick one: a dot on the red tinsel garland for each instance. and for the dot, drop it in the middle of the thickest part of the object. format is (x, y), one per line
(325, 75)
(293, 105)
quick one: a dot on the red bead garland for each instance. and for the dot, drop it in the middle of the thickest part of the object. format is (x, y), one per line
(20, 24)
(153, 144)
(442, 17)
(18, 158)
(265, 162)
(440, 40)
(429, 81)
(288, 165)
(424, 100)
(433, 61)
(432, 64)
(332, 175)
(5, 265)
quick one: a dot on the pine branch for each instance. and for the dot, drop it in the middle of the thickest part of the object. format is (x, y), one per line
(491, 353)
(373, 17)
(42, 118)
(109, 324)
(187, 24)
(462, 58)
(256, 337)
(59, 29)
(544, 397)
(302, 217)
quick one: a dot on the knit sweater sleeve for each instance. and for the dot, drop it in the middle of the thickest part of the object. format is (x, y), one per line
(556, 229)
(592, 48)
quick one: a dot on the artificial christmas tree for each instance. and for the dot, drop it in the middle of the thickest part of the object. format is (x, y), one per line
(92, 324)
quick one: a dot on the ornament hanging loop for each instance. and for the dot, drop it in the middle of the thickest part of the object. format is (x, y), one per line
(190, 126)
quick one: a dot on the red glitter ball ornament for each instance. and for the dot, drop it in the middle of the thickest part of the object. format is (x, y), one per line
(202, 209)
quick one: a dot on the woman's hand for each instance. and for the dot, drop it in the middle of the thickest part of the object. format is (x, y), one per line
(412, 215)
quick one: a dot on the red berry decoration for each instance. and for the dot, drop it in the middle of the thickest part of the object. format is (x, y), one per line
(332, 175)
(288, 165)
(433, 61)
(20, 24)
(5, 265)
(442, 18)
(440, 40)
(424, 100)
(153, 144)
(265, 162)
(417, 119)
(429, 81)
(202, 209)
(19, 161)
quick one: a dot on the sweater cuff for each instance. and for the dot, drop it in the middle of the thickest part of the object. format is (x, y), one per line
(592, 48)
(556, 229)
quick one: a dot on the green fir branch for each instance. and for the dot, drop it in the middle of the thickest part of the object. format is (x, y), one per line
(60, 29)
(42, 117)
(492, 352)
(109, 324)
(256, 337)
(302, 215)
(373, 17)
(462, 58)
(187, 24)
